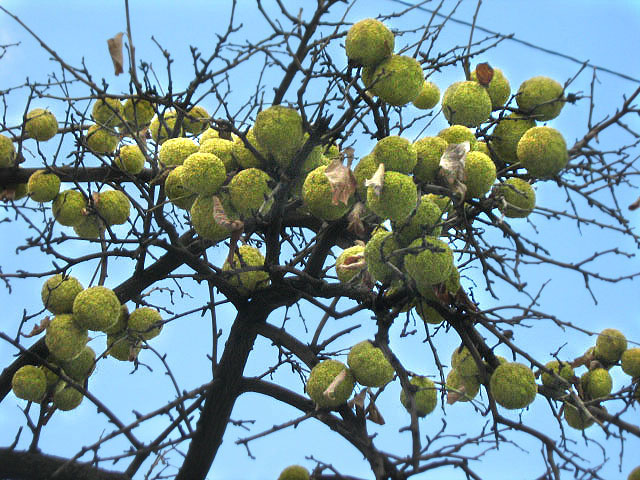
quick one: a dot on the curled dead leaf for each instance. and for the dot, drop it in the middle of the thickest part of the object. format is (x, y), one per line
(377, 181)
(115, 50)
(221, 217)
(343, 182)
(38, 329)
(355, 224)
(331, 389)
(484, 74)
(452, 166)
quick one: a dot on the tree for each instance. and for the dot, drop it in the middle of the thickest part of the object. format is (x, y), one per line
(286, 173)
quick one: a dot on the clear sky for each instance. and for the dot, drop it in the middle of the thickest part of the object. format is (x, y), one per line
(603, 33)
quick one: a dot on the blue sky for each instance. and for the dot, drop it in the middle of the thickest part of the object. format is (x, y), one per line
(604, 33)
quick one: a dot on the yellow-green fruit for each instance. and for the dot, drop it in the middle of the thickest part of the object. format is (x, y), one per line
(564, 370)
(101, 140)
(121, 323)
(145, 322)
(248, 190)
(577, 419)
(81, 366)
(369, 42)
(378, 252)
(542, 151)
(631, 362)
(481, 147)
(453, 282)
(203, 173)
(498, 89)
(397, 199)
(596, 384)
(123, 348)
(466, 387)
(19, 190)
(458, 134)
(66, 398)
(130, 159)
(397, 80)
(203, 221)
(223, 149)
(176, 192)
(64, 339)
(507, 134)
(635, 474)
(208, 134)
(421, 222)
(364, 170)
(138, 112)
(463, 362)
(317, 196)
(91, 226)
(244, 156)
(480, 174)
(427, 313)
(348, 257)
(516, 198)
(68, 207)
(41, 125)
(431, 263)
(247, 257)
(294, 472)
(429, 150)
(175, 151)
(162, 128)
(610, 345)
(369, 366)
(279, 131)
(425, 398)
(29, 383)
(428, 97)
(7, 152)
(397, 154)
(322, 376)
(513, 385)
(107, 112)
(541, 98)
(43, 186)
(51, 377)
(58, 293)
(96, 308)
(113, 206)
(466, 103)
(196, 120)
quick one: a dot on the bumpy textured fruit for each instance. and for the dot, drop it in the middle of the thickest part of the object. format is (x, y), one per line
(19, 190)
(223, 149)
(321, 377)
(347, 257)
(564, 370)
(196, 120)
(635, 474)
(145, 322)
(397, 80)
(175, 191)
(29, 383)
(96, 308)
(397, 199)
(68, 207)
(498, 89)
(377, 252)
(425, 398)
(466, 387)
(58, 293)
(421, 222)
(317, 196)
(89, 227)
(204, 222)
(66, 398)
(41, 125)
(596, 383)
(138, 112)
(122, 347)
(51, 377)
(248, 281)
(513, 385)
(369, 365)
(203, 173)
(541, 98)
(507, 134)
(161, 128)
(113, 206)
(369, 42)
(428, 97)
(397, 154)
(517, 198)
(294, 472)
(208, 134)
(81, 366)
(7, 152)
(458, 134)
(466, 103)
(610, 345)
(542, 151)
(101, 140)
(248, 190)
(64, 339)
(121, 323)
(429, 150)
(130, 159)
(631, 362)
(364, 170)
(279, 131)
(427, 313)
(431, 264)
(107, 112)
(244, 156)
(462, 361)
(577, 419)
(175, 151)
(480, 174)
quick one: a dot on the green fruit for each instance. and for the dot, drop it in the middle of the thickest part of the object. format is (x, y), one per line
(369, 366)
(369, 42)
(41, 125)
(397, 80)
(208, 134)
(364, 170)
(294, 472)
(317, 196)
(121, 323)
(58, 293)
(64, 339)
(430, 263)
(577, 419)
(248, 190)
(91, 226)
(631, 362)
(162, 127)
(223, 149)
(130, 159)
(279, 131)
(68, 207)
(145, 322)
(138, 112)
(596, 384)
(498, 89)
(425, 399)
(513, 385)
(7, 152)
(610, 345)
(196, 120)
(321, 377)
(51, 377)
(564, 370)
(517, 198)
(429, 152)
(113, 206)
(96, 308)
(203, 173)
(421, 222)
(397, 199)
(427, 313)
(203, 221)
(466, 387)
(458, 134)
(175, 190)
(43, 186)
(397, 154)
(463, 362)
(377, 252)
(29, 383)
(107, 112)
(543, 152)
(507, 134)
(481, 147)
(244, 156)
(122, 348)
(247, 281)
(480, 174)
(466, 103)
(428, 97)
(635, 474)
(81, 366)
(101, 140)
(175, 151)
(541, 98)
(66, 398)
(346, 258)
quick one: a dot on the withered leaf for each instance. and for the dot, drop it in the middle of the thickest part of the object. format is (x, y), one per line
(484, 74)
(38, 329)
(452, 166)
(635, 205)
(221, 217)
(373, 413)
(115, 50)
(343, 182)
(331, 389)
(454, 395)
(355, 224)
(377, 181)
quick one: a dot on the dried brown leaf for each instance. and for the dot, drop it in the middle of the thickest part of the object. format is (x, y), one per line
(355, 224)
(331, 389)
(373, 414)
(115, 50)
(377, 181)
(484, 74)
(38, 329)
(452, 166)
(221, 217)
(343, 182)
